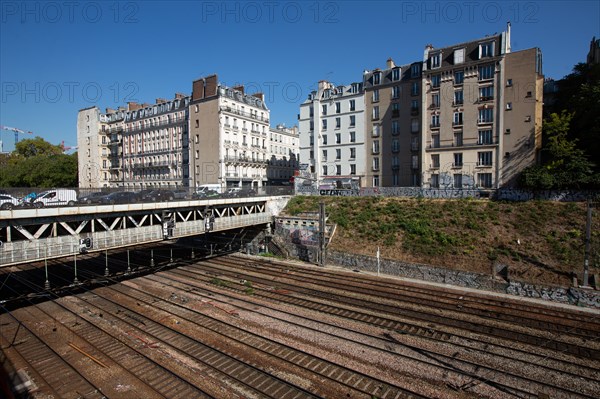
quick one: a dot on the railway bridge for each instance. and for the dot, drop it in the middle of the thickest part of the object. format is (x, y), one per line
(28, 235)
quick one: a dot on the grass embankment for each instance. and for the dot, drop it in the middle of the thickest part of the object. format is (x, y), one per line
(542, 242)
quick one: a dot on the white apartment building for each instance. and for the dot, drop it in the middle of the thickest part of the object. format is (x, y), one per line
(154, 144)
(332, 134)
(283, 154)
(229, 135)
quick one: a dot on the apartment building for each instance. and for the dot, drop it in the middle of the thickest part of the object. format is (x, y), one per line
(229, 134)
(332, 134)
(482, 113)
(284, 154)
(93, 141)
(393, 125)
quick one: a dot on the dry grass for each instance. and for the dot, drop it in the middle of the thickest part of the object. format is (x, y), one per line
(542, 242)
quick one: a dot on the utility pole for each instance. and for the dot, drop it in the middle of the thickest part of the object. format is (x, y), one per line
(322, 229)
(588, 234)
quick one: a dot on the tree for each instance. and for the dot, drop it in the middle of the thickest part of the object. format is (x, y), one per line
(566, 166)
(37, 163)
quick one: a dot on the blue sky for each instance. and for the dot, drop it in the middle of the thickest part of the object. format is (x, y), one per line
(59, 57)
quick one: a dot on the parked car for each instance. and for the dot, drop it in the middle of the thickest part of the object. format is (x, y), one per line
(156, 195)
(211, 186)
(92, 198)
(204, 194)
(237, 192)
(8, 202)
(120, 197)
(181, 193)
(55, 197)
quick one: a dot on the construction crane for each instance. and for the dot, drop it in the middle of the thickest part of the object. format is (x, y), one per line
(66, 148)
(17, 132)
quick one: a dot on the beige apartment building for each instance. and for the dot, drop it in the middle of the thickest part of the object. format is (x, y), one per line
(482, 113)
(229, 135)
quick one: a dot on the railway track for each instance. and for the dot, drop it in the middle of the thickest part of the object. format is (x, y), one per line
(198, 330)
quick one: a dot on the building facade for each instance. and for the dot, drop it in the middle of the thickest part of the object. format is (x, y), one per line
(93, 148)
(482, 113)
(332, 134)
(229, 134)
(283, 154)
(154, 144)
(393, 125)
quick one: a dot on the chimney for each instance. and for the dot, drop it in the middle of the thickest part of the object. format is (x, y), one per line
(132, 106)
(179, 96)
(198, 89)
(144, 105)
(390, 63)
(110, 110)
(210, 89)
(160, 101)
(239, 88)
(260, 96)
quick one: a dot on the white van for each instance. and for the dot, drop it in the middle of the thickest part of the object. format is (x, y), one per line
(209, 187)
(56, 197)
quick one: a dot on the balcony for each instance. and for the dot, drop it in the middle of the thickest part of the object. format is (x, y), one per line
(414, 111)
(435, 125)
(244, 113)
(434, 166)
(457, 123)
(457, 165)
(244, 160)
(436, 146)
(484, 99)
(395, 166)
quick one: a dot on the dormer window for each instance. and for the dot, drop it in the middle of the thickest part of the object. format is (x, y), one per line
(486, 50)
(415, 70)
(396, 74)
(459, 56)
(436, 60)
(377, 78)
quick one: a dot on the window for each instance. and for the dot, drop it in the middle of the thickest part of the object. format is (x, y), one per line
(324, 124)
(414, 163)
(415, 70)
(338, 154)
(414, 125)
(508, 106)
(395, 162)
(396, 92)
(486, 72)
(486, 50)
(338, 138)
(376, 165)
(352, 105)
(312, 126)
(338, 169)
(377, 78)
(414, 107)
(457, 180)
(484, 180)
(338, 108)
(486, 93)
(376, 130)
(338, 122)
(486, 115)
(435, 121)
(436, 60)
(414, 91)
(324, 106)
(375, 95)
(459, 56)
(197, 123)
(435, 160)
(485, 137)
(375, 146)
(459, 77)
(312, 111)
(458, 159)
(435, 141)
(352, 120)
(352, 153)
(324, 157)
(458, 139)
(458, 97)
(395, 145)
(435, 181)
(325, 139)
(395, 128)
(395, 110)
(312, 139)
(325, 169)
(353, 137)
(457, 119)
(396, 74)
(352, 169)
(508, 82)
(484, 158)
(435, 81)
(435, 100)
(376, 112)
